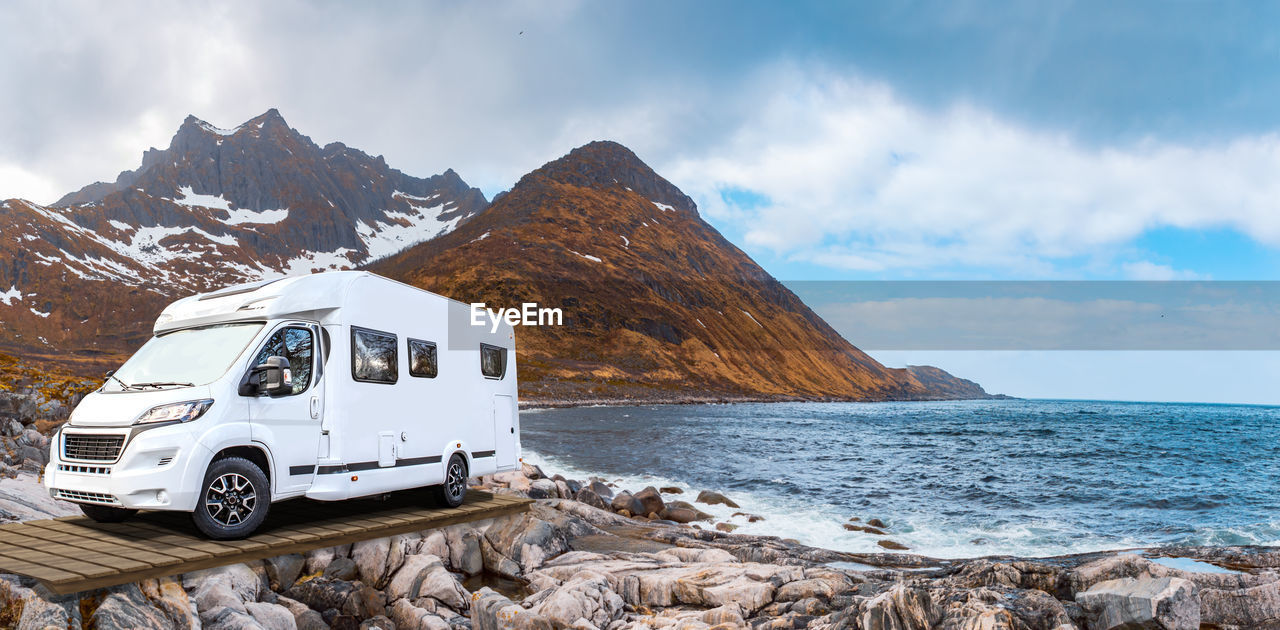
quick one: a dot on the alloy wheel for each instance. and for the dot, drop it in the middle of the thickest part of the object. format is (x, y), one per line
(230, 499)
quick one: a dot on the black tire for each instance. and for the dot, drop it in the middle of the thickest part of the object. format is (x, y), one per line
(106, 513)
(454, 489)
(234, 499)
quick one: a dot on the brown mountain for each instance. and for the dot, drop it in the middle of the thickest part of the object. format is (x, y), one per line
(657, 304)
(82, 280)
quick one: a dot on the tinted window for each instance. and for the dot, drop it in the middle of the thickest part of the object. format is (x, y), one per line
(493, 361)
(373, 356)
(422, 358)
(297, 345)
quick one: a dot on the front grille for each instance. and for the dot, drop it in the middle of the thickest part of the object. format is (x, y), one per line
(88, 470)
(91, 447)
(87, 497)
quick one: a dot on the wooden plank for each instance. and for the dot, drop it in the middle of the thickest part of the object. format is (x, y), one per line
(72, 554)
(83, 550)
(150, 555)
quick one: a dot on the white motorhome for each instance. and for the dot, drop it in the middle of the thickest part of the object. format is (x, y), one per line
(329, 386)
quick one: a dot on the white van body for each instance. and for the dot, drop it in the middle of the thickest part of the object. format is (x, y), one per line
(339, 437)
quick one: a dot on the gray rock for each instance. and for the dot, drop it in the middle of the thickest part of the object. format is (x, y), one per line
(271, 616)
(341, 569)
(625, 501)
(650, 501)
(38, 614)
(588, 496)
(562, 489)
(377, 559)
(319, 559)
(283, 571)
(409, 617)
(492, 611)
(715, 498)
(543, 489)
(324, 594)
(304, 618)
(464, 551)
(603, 491)
(228, 619)
(532, 471)
(223, 587)
(1165, 603)
(377, 623)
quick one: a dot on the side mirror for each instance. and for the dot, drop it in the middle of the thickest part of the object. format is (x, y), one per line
(271, 377)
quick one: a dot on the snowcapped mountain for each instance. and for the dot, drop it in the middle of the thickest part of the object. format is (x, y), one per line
(218, 206)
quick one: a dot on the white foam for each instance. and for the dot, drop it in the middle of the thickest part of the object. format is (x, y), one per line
(821, 524)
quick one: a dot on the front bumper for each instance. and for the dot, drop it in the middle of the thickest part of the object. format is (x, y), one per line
(157, 469)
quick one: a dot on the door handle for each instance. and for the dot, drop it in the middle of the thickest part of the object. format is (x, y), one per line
(315, 407)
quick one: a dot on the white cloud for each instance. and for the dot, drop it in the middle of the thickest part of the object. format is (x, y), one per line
(1147, 270)
(860, 179)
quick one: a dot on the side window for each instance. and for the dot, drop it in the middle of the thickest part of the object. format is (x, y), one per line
(493, 361)
(373, 356)
(422, 358)
(298, 346)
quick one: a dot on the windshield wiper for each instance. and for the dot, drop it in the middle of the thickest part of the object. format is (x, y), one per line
(159, 385)
(123, 385)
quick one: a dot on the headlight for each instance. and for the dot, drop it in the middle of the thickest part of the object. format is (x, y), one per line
(176, 412)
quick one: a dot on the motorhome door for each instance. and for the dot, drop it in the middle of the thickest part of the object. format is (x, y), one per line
(504, 425)
(289, 426)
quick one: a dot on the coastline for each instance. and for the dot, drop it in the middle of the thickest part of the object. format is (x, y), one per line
(563, 403)
(570, 564)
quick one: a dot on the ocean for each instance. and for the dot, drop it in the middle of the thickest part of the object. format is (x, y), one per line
(949, 479)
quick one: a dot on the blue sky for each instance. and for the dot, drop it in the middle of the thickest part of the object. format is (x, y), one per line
(831, 141)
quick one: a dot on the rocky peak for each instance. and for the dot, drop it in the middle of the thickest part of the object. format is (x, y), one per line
(605, 164)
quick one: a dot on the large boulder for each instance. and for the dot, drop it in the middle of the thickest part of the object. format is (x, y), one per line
(601, 489)
(348, 598)
(377, 559)
(543, 489)
(464, 550)
(588, 496)
(524, 542)
(715, 498)
(271, 616)
(625, 501)
(650, 501)
(222, 587)
(1167, 603)
(492, 611)
(283, 571)
(426, 576)
(586, 595)
(409, 617)
(303, 617)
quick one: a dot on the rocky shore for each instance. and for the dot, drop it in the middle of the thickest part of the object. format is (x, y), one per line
(588, 555)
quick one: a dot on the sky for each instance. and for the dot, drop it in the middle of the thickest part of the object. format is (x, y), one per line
(899, 141)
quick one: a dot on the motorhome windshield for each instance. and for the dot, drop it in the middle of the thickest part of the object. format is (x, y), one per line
(195, 356)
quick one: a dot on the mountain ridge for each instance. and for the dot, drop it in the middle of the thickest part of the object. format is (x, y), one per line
(658, 305)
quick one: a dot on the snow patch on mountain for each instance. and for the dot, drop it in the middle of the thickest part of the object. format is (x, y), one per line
(222, 132)
(191, 199)
(9, 296)
(241, 216)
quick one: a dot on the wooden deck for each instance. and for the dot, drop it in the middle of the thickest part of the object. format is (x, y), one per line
(73, 554)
